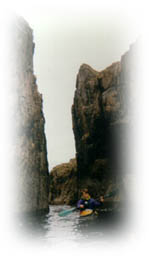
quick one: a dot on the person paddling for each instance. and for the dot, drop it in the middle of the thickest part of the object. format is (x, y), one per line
(86, 202)
(88, 205)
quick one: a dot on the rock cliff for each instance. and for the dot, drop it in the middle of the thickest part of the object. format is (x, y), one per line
(29, 142)
(102, 118)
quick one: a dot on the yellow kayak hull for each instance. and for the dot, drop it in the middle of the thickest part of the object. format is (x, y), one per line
(86, 212)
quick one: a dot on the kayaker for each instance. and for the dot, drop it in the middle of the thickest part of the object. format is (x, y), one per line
(86, 202)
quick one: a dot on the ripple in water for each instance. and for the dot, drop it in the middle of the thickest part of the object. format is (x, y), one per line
(52, 230)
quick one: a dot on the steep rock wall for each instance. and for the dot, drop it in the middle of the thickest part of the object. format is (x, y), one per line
(101, 115)
(29, 143)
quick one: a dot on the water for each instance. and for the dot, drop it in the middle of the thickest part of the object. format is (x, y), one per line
(51, 229)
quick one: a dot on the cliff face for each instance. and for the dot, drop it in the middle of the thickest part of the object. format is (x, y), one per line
(101, 115)
(29, 144)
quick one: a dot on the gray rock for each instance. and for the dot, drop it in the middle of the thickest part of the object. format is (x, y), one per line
(29, 144)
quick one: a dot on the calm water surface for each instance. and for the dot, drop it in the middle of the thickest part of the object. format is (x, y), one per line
(51, 229)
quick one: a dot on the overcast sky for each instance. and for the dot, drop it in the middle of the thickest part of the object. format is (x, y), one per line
(65, 37)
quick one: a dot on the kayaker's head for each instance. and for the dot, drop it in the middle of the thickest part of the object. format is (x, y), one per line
(85, 194)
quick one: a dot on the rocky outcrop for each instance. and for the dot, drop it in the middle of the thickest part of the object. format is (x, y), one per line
(29, 144)
(63, 183)
(101, 115)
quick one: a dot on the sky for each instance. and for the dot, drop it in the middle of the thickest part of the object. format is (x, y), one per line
(66, 37)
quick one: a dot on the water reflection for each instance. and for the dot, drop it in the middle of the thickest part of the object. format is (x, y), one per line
(53, 230)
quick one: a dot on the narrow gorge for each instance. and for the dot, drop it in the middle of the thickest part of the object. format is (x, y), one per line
(101, 120)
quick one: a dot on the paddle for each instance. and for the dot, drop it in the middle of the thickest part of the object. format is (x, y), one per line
(113, 193)
(66, 212)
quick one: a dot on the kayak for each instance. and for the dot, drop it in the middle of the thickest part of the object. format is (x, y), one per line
(86, 212)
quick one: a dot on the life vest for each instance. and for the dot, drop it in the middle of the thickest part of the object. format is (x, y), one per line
(86, 202)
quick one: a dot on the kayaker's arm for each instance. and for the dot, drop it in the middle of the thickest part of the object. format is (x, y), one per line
(80, 204)
(101, 199)
(99, 202)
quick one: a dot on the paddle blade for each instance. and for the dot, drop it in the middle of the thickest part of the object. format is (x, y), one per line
(113, 193)
(66, 212)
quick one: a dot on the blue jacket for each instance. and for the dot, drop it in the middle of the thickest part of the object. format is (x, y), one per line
(88, 204)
